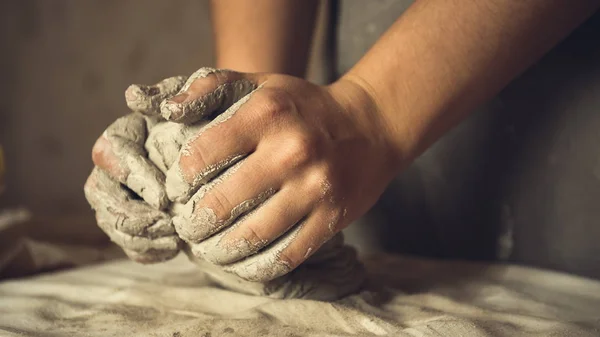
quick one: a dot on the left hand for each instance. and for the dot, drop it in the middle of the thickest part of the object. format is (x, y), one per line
(126, 188)
(284, 166)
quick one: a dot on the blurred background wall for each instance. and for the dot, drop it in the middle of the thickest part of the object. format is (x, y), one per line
(65, 66)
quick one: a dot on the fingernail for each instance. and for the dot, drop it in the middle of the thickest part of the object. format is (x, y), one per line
(180, 98)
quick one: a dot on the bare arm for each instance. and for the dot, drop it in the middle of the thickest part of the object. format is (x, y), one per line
(444, 57)
(263, 35)
(315, 158)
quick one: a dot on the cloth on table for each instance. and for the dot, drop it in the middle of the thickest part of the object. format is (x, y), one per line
(406, 297)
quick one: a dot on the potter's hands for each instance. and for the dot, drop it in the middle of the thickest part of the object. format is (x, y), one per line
(284, 166)
(123, 174)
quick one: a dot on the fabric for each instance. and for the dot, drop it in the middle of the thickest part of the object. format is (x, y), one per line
(409, 297)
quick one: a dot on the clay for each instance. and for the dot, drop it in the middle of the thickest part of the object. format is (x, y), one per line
(214, 102)
(139, 226)
(129, 222)
(178, 189)
(147, 98)
(329, 273)
(126, 137)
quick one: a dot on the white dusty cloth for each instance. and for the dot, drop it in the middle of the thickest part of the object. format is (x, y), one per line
(414, 297)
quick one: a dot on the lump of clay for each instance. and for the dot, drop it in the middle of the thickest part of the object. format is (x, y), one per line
(332, 272)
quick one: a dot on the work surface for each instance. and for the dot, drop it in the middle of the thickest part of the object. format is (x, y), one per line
(414, 298)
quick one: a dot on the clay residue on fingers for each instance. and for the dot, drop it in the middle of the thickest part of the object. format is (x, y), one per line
(121, 211)
(267, 264)
(197, 223)
(220, 249)
(215, 101)
(184, 221)
(206, 217)
(165, 141)
(147, 98)
(131, 223)
(126, 137)
(147, 181)
(179, 190)
(142, 244)
(179, 187)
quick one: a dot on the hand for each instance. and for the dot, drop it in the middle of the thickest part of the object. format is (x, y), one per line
(123, 174)
(284, 166)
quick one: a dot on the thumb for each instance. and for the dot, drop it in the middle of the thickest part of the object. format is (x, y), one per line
(207, 92)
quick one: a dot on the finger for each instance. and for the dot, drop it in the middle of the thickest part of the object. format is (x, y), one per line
(289, 251)
(165, 141)
(206, 92)
(138, 244)
(130, 215)
(257, 229)
(234, 193)
(129, 223)
(120, 152)
(147, 98)
(223, 142)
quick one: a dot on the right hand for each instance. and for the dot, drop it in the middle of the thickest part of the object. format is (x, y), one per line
(125, 188)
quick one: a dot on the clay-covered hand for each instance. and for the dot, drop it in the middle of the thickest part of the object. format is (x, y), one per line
(125, 188)
(283, 166)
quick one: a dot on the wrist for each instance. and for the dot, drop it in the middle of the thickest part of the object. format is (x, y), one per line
(364, 101)
(360, 106)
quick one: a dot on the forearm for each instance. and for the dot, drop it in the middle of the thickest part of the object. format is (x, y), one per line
(263, 35)
(442, 58)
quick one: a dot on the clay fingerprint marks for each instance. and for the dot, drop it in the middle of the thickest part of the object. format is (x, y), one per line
(145, 233)
(147, 98)
(165, 141)
(199, 225)
(330, 274)
(219, 250)
(267, 264)
(126, 138)
(180, 188)
(223, 88)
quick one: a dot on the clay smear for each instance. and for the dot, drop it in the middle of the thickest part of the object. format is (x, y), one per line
(178, 189)
(266, 265)
(213, 102)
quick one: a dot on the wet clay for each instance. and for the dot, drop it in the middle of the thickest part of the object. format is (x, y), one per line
(331, 272)
(152, 145)
(214, 102)
(180, 190)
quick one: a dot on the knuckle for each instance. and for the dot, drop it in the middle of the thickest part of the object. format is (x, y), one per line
(318, 181)
(217, 203)
(299, 150)
(253, 236)
(273, 103)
